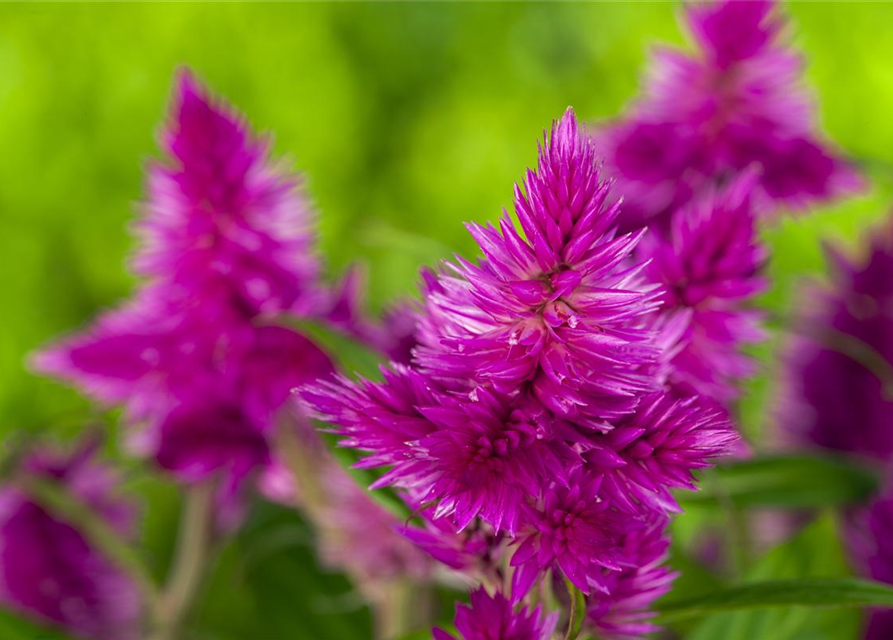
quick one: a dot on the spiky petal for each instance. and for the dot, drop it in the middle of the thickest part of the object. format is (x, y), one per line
(491, 618)
(559, 307)
(476, 455)
(656, 449)
(623, 611)
(573, 530)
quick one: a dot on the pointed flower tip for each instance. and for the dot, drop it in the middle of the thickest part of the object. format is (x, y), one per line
(567, 127)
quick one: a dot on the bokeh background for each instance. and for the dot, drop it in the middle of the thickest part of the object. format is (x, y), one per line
(407, 119)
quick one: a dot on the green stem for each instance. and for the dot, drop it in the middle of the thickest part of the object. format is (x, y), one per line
(577, 612)
(190, 560)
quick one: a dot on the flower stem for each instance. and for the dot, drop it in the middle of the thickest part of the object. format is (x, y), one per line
(577, 612)
(190, 561)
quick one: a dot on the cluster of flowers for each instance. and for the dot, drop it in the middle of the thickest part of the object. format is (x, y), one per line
(565, 383)
(838, 389)
(579, 371)
(536, 419)
(202, 359)
(553, 393)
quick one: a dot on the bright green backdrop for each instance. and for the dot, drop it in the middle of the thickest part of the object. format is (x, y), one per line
(407, 120)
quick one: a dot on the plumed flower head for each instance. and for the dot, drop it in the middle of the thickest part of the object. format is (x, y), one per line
(222, 225)
(737, 102)
(623, 612)
(49, 569)
(478, 454)
(710, 264)
(558, 307)
(572, 529)
(839, 366)
(657, 448)
(494, 618)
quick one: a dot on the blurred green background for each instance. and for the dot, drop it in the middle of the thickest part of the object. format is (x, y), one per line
(407, 119)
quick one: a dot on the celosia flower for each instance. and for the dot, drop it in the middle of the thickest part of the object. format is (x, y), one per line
(476, 456)
(475, 550)
(533, 403)
(493, 618)
(839, 366)
(705, 117)
(623, 612)
(710, 263)
(195, 357)
(573, 529)
(560, 308)
(656, 449)
(48, 569)
(223, 226)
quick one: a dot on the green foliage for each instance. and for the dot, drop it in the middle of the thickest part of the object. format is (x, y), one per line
(792, 481)
(13, 627)
(814, 554)
(815, 593)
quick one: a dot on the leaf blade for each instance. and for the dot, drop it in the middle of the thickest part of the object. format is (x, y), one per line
(814, 592)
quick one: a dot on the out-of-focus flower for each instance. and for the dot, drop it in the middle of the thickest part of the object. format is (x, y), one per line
(196, 357)
(838, 374)
(706, 117)
(870, 537)
(223, 225)
(710, 265)
(622, 611)
(493, 618)
(48, 569)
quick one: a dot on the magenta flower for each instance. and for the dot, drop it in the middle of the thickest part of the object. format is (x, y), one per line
(560, 308)
(475, 550)
(869, 537)
(657, 449)
(476, 455)
(196, 358)
(575, 530)
(737, 102)
(493, 618)
(223, 225)
(533, 407)
(710, 266)
(839, 366)
(623, 612)
(48, 569)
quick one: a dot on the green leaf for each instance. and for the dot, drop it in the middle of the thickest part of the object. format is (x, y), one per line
(14, 627)
(815, 553)
(784, 481)
(577, 611)
(809, 592)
